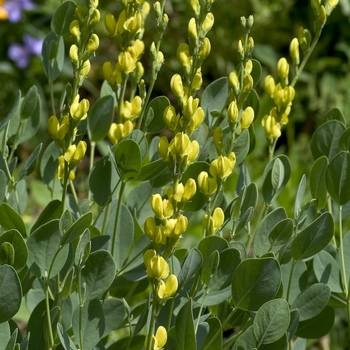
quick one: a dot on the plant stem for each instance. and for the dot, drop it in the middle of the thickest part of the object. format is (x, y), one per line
(153, 320)
(290, 279)
(92, 156)
(48, 315)
(223, 325)
(121, 191)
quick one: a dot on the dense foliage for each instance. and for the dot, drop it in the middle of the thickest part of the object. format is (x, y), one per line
(211, 215)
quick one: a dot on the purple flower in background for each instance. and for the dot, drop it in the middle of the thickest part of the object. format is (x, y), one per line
(21, 54)
(15, 8)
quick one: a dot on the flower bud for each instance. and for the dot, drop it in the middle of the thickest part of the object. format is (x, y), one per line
(204, 49)
(189, 190)
(192, 30)
(294, 51)
(61, 167)
(195, 7)
(218, 217)
(197, 80)
(111, 24)
(177, 86)
(247, 117)
(206, 184)
(269, 85)
(93, 43)
(250, 21)
(181, 225)
(161, 336)
(157, 267)
(73, 54)
(283, 69)
(78, 110)
(85, 69)
(163, 145)
(218, 139)
(94, 18)
(207, 23)
(232, 112)
(234, 82)
(75, 30)
(330, 5)
(171, 119)
(248, 83)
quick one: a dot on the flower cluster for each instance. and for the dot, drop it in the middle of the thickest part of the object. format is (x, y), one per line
(282, 95)
(128, 31)
(158, 270)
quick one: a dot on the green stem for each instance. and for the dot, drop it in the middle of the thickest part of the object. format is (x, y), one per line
(223, 326)
(121, 191)
(256, 226)
(290, 279)
(307, 56)
(74, 193)
(152, 321)
(48, 315)
(341, 247)
(92, 156)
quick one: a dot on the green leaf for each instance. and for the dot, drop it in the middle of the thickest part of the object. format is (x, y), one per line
(318, 326)
(53, 56)
(313, 238)
(88, 324)
(299, 196)
(140, 138)
(246, 341)
(275, 177)
(318, 187)
(334, 114)
(12, 112)
(100, 118)
(312, 301)
(191, 265)
(281, 233)
(294, 279)
(214, 337)
(52, 211)
(262, 241)
(66, 341)
(77, 228)
(114, 312)
(49, 163)
(103, 179)
(97, 274)
(10, 219)
(128, 159)
(338, 178)
(46, 256)
(214, 98)
(154, 113)
(271, 321)
(254, 282)
(29, 102)
(3, 184)
(10, 293)
(344, 141)
(62, 18)
(5, 333)
(30, 164)
(151, 170)
(241, 146)
(325, 140)
(184, 326)
(7, 254)
(14, 238)
(327, 271)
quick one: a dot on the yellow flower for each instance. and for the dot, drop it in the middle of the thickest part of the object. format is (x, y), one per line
(78, 110)
(177, 86)
(111, 24)
(93, 43)
(222, 166)
(232, 112)
(126, 62)
(192, 29)
(269, 85)
(283, 68)
(161, 207)
(118, 131)
(56, 129)
(234, 82)
(171, 119)
(247, 117)
(75, 30)
(271, 127)
(215, 221)
(157, 267)
(208, 23)
(189, 189)
(169, 288)
(206, 184)
(294, 51)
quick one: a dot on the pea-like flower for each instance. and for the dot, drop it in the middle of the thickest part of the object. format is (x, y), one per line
(222, 166)
(167, 289)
